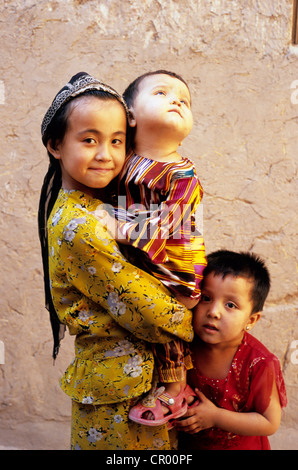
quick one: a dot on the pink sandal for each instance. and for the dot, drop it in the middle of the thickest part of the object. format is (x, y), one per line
(153, 403)
(188, 392)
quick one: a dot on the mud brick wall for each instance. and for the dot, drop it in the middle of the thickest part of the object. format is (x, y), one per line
(238, 60)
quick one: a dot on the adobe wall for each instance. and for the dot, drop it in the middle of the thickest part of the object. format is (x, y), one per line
(240, 67)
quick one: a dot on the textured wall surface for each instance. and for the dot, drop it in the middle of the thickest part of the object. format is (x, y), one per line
(238, 61)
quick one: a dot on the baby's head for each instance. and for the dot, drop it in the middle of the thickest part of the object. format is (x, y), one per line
(246, 265)
(132, 90)
(159, 105)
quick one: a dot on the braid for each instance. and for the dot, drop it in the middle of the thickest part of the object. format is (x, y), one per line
(48, 196)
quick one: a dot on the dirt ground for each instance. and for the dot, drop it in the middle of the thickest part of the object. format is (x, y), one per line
(55, 436)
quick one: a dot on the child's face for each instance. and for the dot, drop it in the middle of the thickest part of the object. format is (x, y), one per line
(225, 309)
(92, 152)
(163, 104)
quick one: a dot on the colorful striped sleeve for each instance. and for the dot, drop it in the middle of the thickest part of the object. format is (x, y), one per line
(149, 229)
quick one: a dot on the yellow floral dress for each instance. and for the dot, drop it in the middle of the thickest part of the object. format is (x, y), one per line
(116, 311)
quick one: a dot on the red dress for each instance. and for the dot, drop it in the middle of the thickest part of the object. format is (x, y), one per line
(246, 388)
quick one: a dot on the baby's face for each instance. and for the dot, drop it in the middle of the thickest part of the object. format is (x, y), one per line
(163, 102)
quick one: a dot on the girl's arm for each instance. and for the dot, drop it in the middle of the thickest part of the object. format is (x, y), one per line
(206, 415)
(113, 226)
(133, 298)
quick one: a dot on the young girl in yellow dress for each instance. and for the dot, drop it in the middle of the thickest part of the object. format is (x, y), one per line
(114, 309)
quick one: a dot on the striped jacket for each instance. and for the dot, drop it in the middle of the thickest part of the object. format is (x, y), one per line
(160, 218)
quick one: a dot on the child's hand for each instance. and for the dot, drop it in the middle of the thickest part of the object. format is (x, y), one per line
(198, 417)
(206, 415)
(110, 222)
(106, 219)
(187, 301)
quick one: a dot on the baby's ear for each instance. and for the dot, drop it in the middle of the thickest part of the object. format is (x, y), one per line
(131, 118)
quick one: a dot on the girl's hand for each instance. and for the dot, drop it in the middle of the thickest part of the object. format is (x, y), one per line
(206, 415)
(198, 417)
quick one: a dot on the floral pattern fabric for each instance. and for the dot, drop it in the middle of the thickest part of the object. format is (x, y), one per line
(108, 428)
(114, 309)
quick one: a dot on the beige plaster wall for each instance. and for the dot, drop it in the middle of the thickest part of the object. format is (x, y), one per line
(240, 66)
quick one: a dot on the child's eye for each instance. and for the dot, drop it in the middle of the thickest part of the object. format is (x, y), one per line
(89, 140)
(231, 305)
(116, 141)
(186, 102)
(205, 298)
(160, 92)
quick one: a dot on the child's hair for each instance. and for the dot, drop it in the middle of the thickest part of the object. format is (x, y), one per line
(248, 265)
(131, 91)
(54, 128)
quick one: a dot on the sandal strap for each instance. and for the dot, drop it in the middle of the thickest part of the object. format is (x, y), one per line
(167, 399)
(158, 394)
(151, 398)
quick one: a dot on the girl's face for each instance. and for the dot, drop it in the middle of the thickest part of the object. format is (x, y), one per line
(224, 311)
(92, 152)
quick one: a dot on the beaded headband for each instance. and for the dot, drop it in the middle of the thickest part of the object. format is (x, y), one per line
(77, 85)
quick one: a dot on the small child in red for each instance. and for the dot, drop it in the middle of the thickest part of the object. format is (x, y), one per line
(238, 381)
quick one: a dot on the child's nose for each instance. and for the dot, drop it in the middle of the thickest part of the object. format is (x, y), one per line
(214, 310)
(175, 100)
(103, 152)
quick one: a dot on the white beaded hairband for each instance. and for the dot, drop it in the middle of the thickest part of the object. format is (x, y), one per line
(77, 85)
